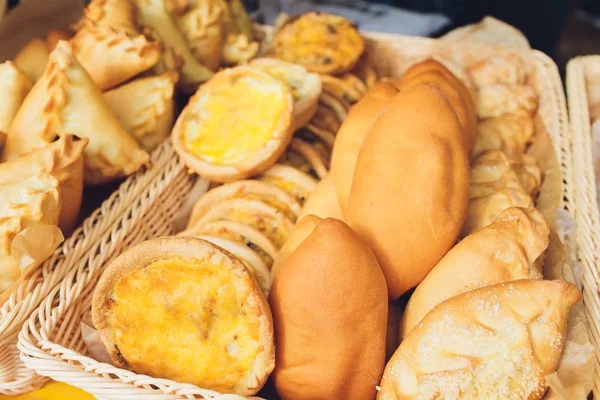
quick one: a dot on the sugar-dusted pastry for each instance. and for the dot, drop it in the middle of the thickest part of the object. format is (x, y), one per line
(14, 86)
(507, 68)
(511, 248)
(499, 341)
(202, 30)
(23, 203)
(55, 36)
(320, 42)
(145, 107)
(295, 182)
(227, 325)
(305, 86)
(498, 99)
(66, 101)
(266, 219)
(484, 210)
(32, 59)
(236, 125)
(154, 15)
(330, 312)
(323, 202)
(109, 44)
(250, 190)
(63, 159)
(493, 170)
(510, 133)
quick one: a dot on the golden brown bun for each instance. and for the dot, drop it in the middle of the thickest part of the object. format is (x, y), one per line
(301, 231)
(409, 195)
(351, 135)
(466, 116)
(506, 250)
(497, 342)
(14, 86)
(330, 312)
(323, 202)
(32, 59)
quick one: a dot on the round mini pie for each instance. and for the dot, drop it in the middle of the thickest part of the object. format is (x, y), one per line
(184, 309)
(322, 43)
(236, 125)
(266, 219)
(295, 182)
(311, 155)
(247, 189)
(305, 86)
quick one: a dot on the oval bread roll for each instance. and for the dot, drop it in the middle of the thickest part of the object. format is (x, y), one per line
(330, 312)
(351, 135)
(497, 342)
(410, 190)
(510, 248)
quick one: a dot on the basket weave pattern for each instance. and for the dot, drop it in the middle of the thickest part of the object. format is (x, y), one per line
(586, 212)
(51, 341)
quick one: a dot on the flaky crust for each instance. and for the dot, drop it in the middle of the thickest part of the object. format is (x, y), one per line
(145, 107)
(506, 250)
(14, 86)
(253, 164)
(187, 247)
(62, 159)
(495, 342)
(66, 101)
(510, 133)
(109, 44)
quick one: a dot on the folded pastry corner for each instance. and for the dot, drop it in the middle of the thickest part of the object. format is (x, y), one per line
(14, 86)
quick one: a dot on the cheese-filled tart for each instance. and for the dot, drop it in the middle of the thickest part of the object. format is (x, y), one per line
(182, 308)
(290, 179)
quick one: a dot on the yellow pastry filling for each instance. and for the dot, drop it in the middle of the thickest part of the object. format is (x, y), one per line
(234, 120)
(289, 187)
(186, 320)
(266, 224)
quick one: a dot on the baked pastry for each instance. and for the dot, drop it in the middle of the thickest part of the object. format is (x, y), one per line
(109, 44)
(55, 36)
(507, 68)
(305, 86)
(153, 287)
(250, 190)
(238, 49)
(499, 341)
(484, 210)
(493, 170)
(296, 183)
(339, 351)
(323, 202)
(14, 86)
(236, 18)
(24, 203)
(365, 70)
(316, 161)
(323, 43)
(154, 15)
(145, 107)
(326, 119)
(303, 228)
(348, 87)
(66, 101)
(335, 105)
(350, 138)
(32, 59)
(511, 248)
(445, 64)
(235, 126)
(63, 159)
(498, 99)
(411, 235)
(266, 219)
(509, 133)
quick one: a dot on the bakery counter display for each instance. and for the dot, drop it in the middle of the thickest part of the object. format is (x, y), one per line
(317, 228)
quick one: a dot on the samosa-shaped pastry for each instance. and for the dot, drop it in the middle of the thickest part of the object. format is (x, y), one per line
(32, 59)
(14, 86)
(66, 101)
(109, 44)
(145, 107)
(497, 342)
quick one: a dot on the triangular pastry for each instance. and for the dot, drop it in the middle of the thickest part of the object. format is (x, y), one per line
(14, 86)
(32, 59)
(509, 133)
(498, 99)
(155, 16)
(109, 45)
(145, 107)
(497, 342)
(66, 101)
(63, 159)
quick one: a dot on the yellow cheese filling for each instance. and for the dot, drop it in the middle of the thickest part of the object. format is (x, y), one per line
(298, 192)
(234, 120)
(186, 320)
(268, 225)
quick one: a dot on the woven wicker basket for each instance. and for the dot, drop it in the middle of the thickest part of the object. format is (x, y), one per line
(586, 209)
(51, 342)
